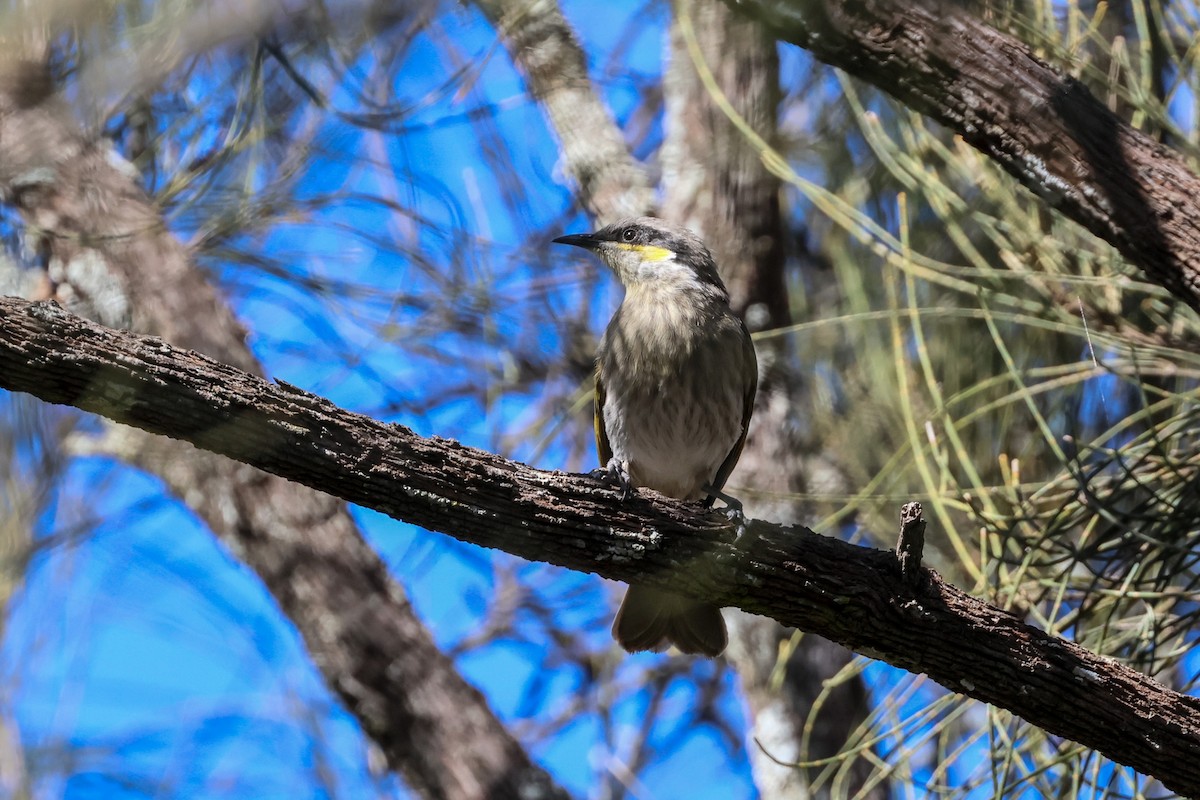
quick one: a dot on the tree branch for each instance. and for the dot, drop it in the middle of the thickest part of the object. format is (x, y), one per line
(852, 595)
(1043, 127)
(611, 183)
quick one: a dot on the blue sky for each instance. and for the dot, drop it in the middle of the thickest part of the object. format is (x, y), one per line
(155, 664)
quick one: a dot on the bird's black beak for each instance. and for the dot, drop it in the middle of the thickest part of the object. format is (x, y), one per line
(588, 241)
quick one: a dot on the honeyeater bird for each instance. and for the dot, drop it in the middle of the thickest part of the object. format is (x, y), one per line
(675, 381)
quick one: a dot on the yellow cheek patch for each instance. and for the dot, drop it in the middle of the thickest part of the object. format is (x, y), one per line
(648, 252)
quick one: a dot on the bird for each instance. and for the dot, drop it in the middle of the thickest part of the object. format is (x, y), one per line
(675, 380)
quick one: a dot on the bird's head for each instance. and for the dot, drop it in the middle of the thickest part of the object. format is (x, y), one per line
(646, 251)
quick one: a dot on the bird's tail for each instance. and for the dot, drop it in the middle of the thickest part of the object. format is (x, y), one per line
(650, 619)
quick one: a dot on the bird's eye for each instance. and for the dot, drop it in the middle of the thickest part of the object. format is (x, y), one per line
(629, 234)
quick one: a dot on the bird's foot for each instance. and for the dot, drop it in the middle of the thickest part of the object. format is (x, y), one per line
(615, 473)
(733, 510)
(731, 502)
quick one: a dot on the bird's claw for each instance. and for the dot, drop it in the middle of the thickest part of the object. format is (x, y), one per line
(615, 473)
(731, 502)
(732, 511)
(735, 515)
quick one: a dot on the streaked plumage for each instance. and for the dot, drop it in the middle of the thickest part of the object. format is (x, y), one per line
(676, 376)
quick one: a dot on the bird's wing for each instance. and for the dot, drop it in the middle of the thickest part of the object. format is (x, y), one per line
(751, 390)
(603, 448)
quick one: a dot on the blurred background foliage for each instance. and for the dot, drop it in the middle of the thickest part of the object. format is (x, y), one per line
(374, 191)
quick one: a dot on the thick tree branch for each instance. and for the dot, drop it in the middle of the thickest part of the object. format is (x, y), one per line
(1045, 128)
(853, 595)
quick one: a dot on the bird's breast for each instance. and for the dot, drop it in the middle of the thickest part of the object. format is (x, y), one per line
(674, 396)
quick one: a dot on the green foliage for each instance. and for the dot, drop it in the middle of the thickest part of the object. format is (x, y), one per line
(979, 353)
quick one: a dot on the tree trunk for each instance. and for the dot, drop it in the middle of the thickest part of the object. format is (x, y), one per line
(715, 183)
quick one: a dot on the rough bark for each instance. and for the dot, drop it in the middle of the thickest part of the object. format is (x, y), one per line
(108, 253)
(1043, 127)
(849, 594)
(714, 181)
